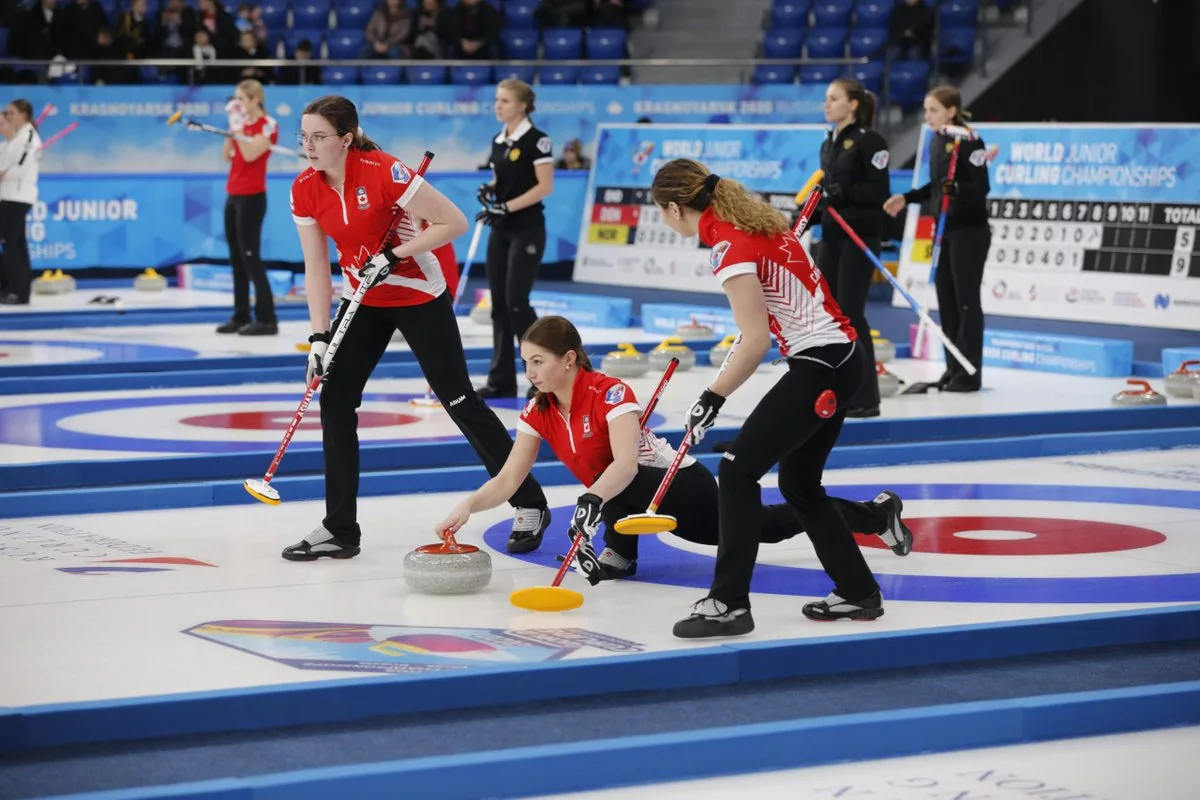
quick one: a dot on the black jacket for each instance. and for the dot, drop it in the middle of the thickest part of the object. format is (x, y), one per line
(856, 180)
(968, 204)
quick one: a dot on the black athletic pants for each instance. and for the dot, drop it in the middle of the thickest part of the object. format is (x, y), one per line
(431, 331)
(958, 281)
(18, 274)
(849, 272)
(692, 499)
(244, 216)
(785, 428)
(513, 258)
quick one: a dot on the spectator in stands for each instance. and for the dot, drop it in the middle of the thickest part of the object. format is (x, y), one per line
(176, 30)
(388, 31)
(432, 32)
(202, 51)
(476, 29)
(104, 49)
(610, 14)
(248, 48)
(299, 73)
(81, 21)
(133, 34)
(222, 33)
(573, 157)
(563, 14)
(910, 30)
(37, 32)
(250, 19)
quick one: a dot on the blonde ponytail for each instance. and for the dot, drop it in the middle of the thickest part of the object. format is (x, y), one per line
(688, 183)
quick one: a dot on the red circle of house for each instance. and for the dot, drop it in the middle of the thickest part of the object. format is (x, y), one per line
(1030, 536)
(279, 420)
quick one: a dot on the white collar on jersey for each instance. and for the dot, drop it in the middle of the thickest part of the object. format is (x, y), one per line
(521, 130)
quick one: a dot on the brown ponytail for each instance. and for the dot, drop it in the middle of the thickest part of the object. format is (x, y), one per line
(688, 183)
(343, 116)
(864, 115)
(560, 337)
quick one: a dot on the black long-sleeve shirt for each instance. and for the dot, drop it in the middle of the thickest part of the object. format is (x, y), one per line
(856, 180)
(968, 204)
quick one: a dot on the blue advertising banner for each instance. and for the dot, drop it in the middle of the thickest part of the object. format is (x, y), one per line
(623, 240)
(1089, 222)
(123, 129)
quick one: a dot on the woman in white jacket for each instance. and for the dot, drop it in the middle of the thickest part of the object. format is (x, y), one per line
(20, 159)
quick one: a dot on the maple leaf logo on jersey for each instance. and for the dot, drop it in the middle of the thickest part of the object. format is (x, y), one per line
(400, 173)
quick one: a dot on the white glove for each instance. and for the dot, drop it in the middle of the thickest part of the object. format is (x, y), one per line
(236, 115)
(378, 268)
(318, 344)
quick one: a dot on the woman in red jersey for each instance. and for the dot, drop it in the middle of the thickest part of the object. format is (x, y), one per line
(355, 193)
(773, 287)
(246, 208)
(590, 421)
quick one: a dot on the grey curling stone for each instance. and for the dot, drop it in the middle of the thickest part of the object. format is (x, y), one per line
(1139, 395)
(885, 351)
(889, 382)
(481, 314)
(717, 356)
(447, 569)
(694, 330)
(150, 281)
(672, 348)
(626, 362)
(1183, 381)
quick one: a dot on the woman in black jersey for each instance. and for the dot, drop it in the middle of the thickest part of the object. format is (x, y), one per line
(966, 239)
(523, 168)
(854, 158)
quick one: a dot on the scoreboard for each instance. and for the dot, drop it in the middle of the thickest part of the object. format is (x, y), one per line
(1091, 223)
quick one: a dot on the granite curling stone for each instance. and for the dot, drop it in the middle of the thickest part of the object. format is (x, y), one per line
(885, 349)
(720, 352)
(889, 382)
(448, 568)
(694, 330)
(669, 348)
(481, 313)
(150, 281)
(1140, 394)
(1183, 381)
(625, 362)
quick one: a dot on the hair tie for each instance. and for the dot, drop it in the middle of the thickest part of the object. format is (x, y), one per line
(710, 183)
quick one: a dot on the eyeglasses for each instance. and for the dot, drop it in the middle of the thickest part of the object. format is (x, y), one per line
(317, 138)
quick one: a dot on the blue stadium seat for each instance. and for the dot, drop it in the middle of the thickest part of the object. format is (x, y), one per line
(293, 36)
(471, 76)
(869, 75)
(521, 15)
(525, 74)
(519, 45)
(867, 42)
(600, 76)
(346, 44)
(426, 75)
(832, 13)
(380, 76)
(274, 14)
(339, 76)
(958, 13)
(561, 44)
(873, 13)
(818, 73)
(826, 43)
(769, 73)
(956, 45)
(783, 43)
(606, 43)
(559, 76)
(909, 83)
(311, 14)
(790, 13)
(354, 13)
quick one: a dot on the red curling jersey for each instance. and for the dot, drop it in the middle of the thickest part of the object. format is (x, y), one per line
(579, 438)
(357, 218)
(802, 311)
(250, 177)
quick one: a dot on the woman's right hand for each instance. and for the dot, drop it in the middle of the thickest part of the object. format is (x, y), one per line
(894, 204)
(452, 523)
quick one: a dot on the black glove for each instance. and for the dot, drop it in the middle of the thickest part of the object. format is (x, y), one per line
(702, 414)
(833, 191)
(486, 194)
(378, 268)
(949, 189)
(586, 520)
(491, 212)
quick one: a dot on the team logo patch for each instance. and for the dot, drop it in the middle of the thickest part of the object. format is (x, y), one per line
(979, 158)
(718, 254)
(847, 144)
(587, 426)
(544, 144)
(400, 173)
(361, 194)
(949, 146)
(514, 154)
(615, 394)
(880, 160)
